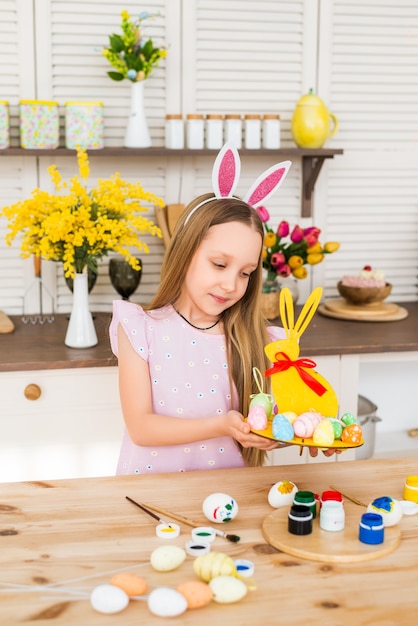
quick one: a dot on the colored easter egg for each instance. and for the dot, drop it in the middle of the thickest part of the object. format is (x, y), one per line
(291, 416)
(389, 508)
(337, 426)
(214, 564)
(196, 592)
(303, 426)
(352, 434)
(220, 508)
(227, 589)
(281, 428)
(167, 557)
(257, 417)
(108, 599)
(132, 584)
(264, 400)
(348, 419)
(281, 493)
(323, 434)
(166, 602)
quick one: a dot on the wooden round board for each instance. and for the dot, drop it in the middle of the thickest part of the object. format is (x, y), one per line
(305, 441)
(321, 545)
(384, 312)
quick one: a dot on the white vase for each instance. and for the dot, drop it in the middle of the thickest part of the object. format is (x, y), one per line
(137, 134)
(80, 332)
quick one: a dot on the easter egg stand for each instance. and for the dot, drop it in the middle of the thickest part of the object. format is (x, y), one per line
(343, 546)
(296, 386)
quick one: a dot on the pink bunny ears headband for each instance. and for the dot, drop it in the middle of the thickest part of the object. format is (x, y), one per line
(225, 176)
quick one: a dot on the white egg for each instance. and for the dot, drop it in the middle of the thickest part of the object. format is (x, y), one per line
(166, 558)
(227, 589)
(166, 602)
(108, 599)
(219, 507)
(389, 508)
(282, 493)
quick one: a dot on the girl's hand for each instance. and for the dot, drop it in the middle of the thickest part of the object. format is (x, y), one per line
(240, 430)
(329, 452)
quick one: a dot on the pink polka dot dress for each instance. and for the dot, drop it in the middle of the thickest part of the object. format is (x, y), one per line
(189, 378)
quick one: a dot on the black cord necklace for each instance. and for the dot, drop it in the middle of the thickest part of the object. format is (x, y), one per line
(197, 327)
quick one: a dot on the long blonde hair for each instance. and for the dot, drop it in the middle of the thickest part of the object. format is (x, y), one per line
(244, 324)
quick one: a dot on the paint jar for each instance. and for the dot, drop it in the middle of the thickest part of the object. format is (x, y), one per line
(39, 124)
(195, 131)
(271, 131)
(165, 531)
(244, 567)
(214, 132)
(204, 533)
(306, 498)
(197, 548)
(84, 125)
(252, 131)
(174, 132)
(371, 529)
(332, 516)
(330, 495)
(300, 520)
(233, 129)
(4, 125)
(410, 491)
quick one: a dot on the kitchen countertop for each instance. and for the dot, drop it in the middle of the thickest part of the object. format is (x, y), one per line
(39, 347)
(57, 532)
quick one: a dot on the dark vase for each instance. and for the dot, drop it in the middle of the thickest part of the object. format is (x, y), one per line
(91, 281)
(123, 277)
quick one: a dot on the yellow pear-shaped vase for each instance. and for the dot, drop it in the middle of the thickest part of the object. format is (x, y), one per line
(312, 123)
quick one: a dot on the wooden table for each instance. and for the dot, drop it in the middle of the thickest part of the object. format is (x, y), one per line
(59, 530)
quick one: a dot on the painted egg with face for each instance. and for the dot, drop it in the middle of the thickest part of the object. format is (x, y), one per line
(220, 508)
(257, 417)
(281, 428)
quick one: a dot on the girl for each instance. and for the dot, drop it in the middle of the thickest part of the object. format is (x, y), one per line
(186, 359)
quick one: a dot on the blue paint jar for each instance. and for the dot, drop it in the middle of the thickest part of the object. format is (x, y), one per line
(371, 529)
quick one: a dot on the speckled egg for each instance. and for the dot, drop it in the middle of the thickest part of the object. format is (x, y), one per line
(219, 508)
(281, 428)
(108, 599)
(257, 417)
(196, 592)
(166, 602)
(227, 589)
(166, 558)
(264, 400)
(337, 426)
(348, 419)
(389, 508)
(281, 493)
(132, 584)
(352, 434)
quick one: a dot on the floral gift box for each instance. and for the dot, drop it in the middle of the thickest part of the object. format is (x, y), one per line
(84, 125)
(39, 124)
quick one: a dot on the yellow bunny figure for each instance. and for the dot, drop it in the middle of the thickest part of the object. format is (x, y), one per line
(296, 386)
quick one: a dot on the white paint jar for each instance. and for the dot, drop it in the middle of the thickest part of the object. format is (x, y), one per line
(332, 516)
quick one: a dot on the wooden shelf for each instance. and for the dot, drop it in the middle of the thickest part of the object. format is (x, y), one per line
(312, 160)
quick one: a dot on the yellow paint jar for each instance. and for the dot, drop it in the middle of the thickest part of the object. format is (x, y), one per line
(410, 491)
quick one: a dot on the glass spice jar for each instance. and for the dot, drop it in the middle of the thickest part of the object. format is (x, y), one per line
(214, 131)
(174, 131)
(233, 129)
(252, 131)
(195, 131)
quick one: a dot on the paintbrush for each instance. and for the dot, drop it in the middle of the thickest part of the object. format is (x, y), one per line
(159, 519)
(349, 497)
(189, 522)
